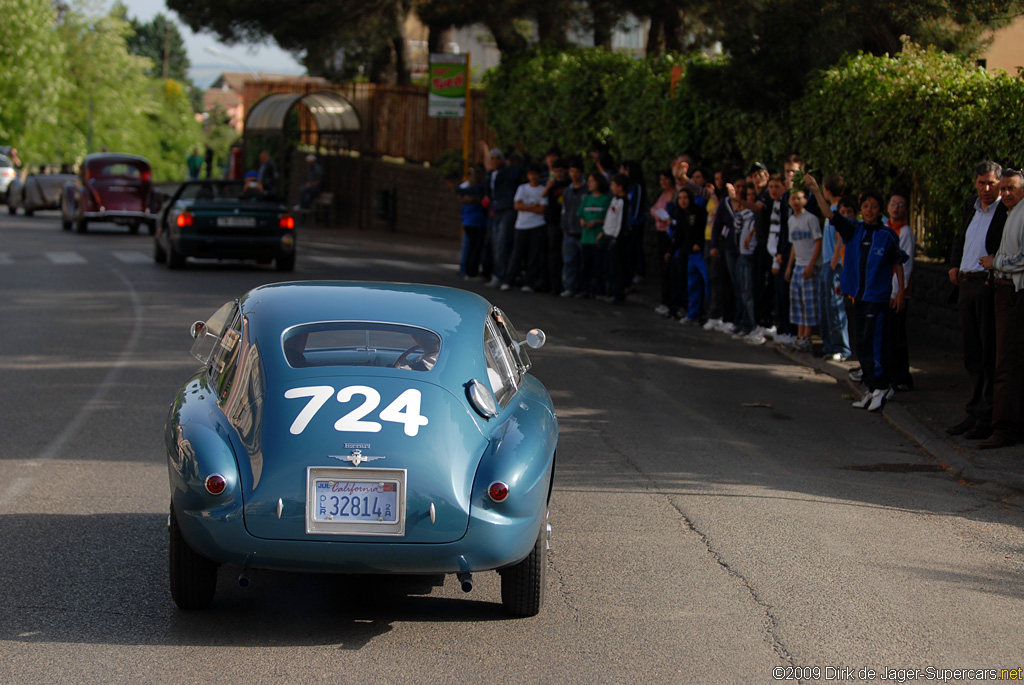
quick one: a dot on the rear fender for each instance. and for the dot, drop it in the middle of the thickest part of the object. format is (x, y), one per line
(196, 453)
(523, 457)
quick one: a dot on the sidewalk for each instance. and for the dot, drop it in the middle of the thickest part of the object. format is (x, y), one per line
(940, 381)
(940, 392)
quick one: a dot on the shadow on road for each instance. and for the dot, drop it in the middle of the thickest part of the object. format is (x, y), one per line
(63, 584)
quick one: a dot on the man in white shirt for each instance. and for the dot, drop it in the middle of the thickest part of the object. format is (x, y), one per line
(897, 348)
(981, 231)
(530, 234)
(1007, 266)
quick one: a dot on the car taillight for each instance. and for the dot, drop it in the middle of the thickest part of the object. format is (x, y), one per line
(146, 175)
(215, 484)
(286, 222)
(7, 171)
(498, 491)
(184, 219)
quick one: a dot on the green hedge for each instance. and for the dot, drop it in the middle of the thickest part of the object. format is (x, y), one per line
(918, 121)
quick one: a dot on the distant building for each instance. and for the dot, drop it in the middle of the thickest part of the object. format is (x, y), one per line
(1006, 52)
(228, 92)
(629, 35)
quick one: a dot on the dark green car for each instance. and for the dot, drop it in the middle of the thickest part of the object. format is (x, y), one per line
(224, 220)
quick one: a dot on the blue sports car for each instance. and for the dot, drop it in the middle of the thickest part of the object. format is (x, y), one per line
(364, 428)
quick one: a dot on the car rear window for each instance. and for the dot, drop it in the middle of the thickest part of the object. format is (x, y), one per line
(211, 191)
(118, 169)
(359, 343)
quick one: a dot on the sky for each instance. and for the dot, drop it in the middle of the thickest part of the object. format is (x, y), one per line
(207, 66)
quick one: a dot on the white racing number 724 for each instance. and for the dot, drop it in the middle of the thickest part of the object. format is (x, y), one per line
(405, 409)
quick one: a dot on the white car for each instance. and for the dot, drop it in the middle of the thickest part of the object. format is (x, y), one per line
(7, 174)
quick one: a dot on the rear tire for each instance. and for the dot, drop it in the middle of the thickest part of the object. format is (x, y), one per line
(81, 226)
(522, 585)
(159, 254)
(11, 209)
(133, 227)
(175, 260)
(285, 262)
(65, 223)
(193, 577)
(29, 212)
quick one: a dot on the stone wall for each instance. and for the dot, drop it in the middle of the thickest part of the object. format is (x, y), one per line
(380, 196)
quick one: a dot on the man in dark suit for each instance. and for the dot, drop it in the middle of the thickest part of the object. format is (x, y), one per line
(502, 182)
(980, 233)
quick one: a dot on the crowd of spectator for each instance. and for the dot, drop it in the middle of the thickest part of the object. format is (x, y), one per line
(759, 256)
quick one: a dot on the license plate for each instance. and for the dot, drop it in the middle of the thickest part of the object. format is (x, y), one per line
(353, 501)
(236, 221)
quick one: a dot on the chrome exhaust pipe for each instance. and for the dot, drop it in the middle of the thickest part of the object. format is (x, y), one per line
(465, 580)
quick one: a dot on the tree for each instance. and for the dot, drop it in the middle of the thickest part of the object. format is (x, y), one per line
(773, 45)
(32, 78)
(160, 40)
(325, 35)
(112, 102)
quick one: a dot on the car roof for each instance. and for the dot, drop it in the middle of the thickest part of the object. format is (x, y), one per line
(457, 316)
(114, 156)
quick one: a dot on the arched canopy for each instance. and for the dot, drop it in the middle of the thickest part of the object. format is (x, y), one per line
(326, 118)
(332, 113)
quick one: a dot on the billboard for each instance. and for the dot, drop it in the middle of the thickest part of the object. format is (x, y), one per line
(449, 78)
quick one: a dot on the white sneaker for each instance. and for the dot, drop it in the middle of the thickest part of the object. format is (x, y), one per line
(687, 321)
(662, 309)
(767, 332)
(784, 339)
(526, 289)
(493, 283)
(755, 338)
(713, 324)
(729, 328)
(505, 286)
(565, 293)
(856, 375)
(863, 401)
(880, 397)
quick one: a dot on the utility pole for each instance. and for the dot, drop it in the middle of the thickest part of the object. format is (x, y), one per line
(167, 45)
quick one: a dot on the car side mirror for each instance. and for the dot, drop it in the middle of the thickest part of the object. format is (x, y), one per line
(198, 328)
(535, 338)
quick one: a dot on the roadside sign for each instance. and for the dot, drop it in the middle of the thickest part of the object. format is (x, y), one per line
(449, 79)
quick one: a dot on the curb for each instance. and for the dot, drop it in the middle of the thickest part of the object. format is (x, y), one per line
(400, 243)
(901, 419)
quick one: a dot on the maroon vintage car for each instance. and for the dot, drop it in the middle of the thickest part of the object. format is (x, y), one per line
(112, 187)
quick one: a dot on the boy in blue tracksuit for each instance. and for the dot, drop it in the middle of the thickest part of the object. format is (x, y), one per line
(873, 254)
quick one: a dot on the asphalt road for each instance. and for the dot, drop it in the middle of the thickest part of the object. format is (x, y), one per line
(719, 512)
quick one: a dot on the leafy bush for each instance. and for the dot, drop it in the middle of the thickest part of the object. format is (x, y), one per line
(917, 122)
(585, 95)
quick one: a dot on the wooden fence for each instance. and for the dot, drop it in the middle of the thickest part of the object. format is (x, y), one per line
(394, 118)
